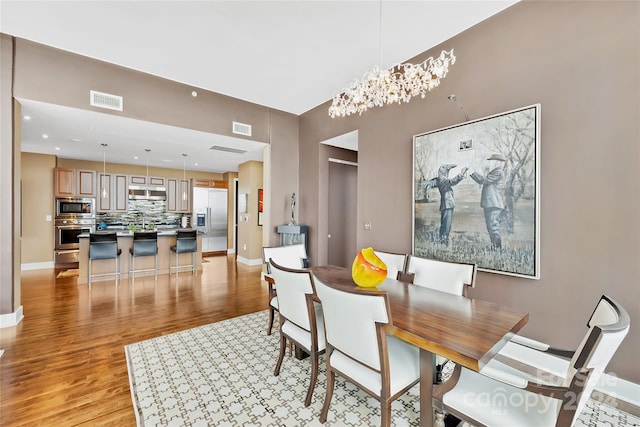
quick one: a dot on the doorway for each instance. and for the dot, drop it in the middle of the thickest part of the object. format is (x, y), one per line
(342, 206)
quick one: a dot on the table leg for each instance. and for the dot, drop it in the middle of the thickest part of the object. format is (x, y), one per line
(427, 378)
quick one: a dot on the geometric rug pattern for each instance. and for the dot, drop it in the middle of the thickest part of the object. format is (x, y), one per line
(221, 374)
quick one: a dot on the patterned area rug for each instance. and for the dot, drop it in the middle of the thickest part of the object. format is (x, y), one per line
(222, 374)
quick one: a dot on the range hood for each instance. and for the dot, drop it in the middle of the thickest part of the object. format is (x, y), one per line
(142, 192)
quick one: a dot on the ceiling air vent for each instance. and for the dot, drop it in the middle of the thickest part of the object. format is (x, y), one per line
(227, 149)
(105, 100)
(241, 129)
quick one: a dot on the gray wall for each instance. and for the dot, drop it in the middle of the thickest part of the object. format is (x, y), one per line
(580, 61)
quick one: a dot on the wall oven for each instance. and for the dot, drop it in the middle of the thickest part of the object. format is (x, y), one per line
(67, 242)
(70, 207)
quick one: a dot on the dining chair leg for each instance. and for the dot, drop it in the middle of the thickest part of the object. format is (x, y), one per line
(385, 414)
(314, 378)
(283, 345)
(156, 264)
(271, 316)
(331, 378)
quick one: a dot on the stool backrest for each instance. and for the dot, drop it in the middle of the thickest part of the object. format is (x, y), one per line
(145, 243)
(186, 241)
(103, 245)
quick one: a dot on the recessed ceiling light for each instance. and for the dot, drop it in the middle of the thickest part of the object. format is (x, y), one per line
(135, 157)
(76, 140)
(45, 136)
(194, 94)
(196, 164)
(57, 148)
(26, 117)
(167, 161)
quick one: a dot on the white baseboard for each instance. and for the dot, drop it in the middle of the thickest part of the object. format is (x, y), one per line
(11, 319)
(37, 266)
(247, 261)
(620, 389)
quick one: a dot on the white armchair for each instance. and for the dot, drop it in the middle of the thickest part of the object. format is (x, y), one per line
(300, 318)
(359, 350)
(503, 396)
(292, 256)
(536, 357)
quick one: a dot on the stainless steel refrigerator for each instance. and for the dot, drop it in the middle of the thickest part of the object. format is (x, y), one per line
(210, 217)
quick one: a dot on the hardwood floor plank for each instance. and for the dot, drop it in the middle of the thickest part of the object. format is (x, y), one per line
(64, 364)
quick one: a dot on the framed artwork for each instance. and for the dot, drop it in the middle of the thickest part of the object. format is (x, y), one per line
(475, 193)
(260, 205)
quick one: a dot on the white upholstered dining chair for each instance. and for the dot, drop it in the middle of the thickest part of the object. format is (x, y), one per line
(291, 256)
(504, 396)
(538, 358)
(444, 276)
(300, 318)
(395, 262)
(359, 350)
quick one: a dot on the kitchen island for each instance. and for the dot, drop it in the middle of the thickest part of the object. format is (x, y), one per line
(166, 239)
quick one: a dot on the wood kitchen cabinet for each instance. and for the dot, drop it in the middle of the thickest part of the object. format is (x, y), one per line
(74, 182)
(176, 188)
(157, 181)
(117, 192)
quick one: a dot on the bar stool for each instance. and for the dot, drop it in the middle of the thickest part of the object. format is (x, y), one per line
(103, 246)
(185, 243)
(144, 244)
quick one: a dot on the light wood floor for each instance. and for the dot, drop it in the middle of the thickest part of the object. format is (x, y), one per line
(64, 364)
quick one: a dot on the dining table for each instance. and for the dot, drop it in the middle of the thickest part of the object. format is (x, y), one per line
(467, 331)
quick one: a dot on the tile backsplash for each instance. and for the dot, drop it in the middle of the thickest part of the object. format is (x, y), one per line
(147, 211)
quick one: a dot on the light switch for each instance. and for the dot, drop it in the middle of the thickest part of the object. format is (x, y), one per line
(367, 225)
(48, 218)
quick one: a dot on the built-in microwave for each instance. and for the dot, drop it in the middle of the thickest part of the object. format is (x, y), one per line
(75, 208)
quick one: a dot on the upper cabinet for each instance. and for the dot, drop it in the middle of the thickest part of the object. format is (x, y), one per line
(115, 197)
(74, 183)
(209, 183)
(152, 180)
(178, 195)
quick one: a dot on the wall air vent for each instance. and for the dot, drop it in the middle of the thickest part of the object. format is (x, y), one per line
(227, 149)
(105, 100)
(241, 129)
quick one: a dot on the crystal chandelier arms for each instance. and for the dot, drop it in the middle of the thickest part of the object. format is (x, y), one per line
(397, 85)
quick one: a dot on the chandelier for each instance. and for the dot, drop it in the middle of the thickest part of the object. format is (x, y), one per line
(396, 85)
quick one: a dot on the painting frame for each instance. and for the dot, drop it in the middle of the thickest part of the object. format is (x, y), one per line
(475, 193)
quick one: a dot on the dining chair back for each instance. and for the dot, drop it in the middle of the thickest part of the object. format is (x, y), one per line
(300, 318)
(395, 263)
(503, 395)
(445, 276)
(103, 246)
(291, 256)
(359, 350)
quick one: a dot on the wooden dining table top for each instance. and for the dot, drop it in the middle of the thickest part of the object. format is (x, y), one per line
(465, 330)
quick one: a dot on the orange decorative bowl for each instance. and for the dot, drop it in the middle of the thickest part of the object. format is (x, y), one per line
(368, 270)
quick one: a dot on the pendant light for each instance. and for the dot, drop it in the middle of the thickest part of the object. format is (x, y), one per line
(104, 192)
(184, 176)
(147, 192)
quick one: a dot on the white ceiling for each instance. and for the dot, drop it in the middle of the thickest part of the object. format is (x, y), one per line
(286, 55)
